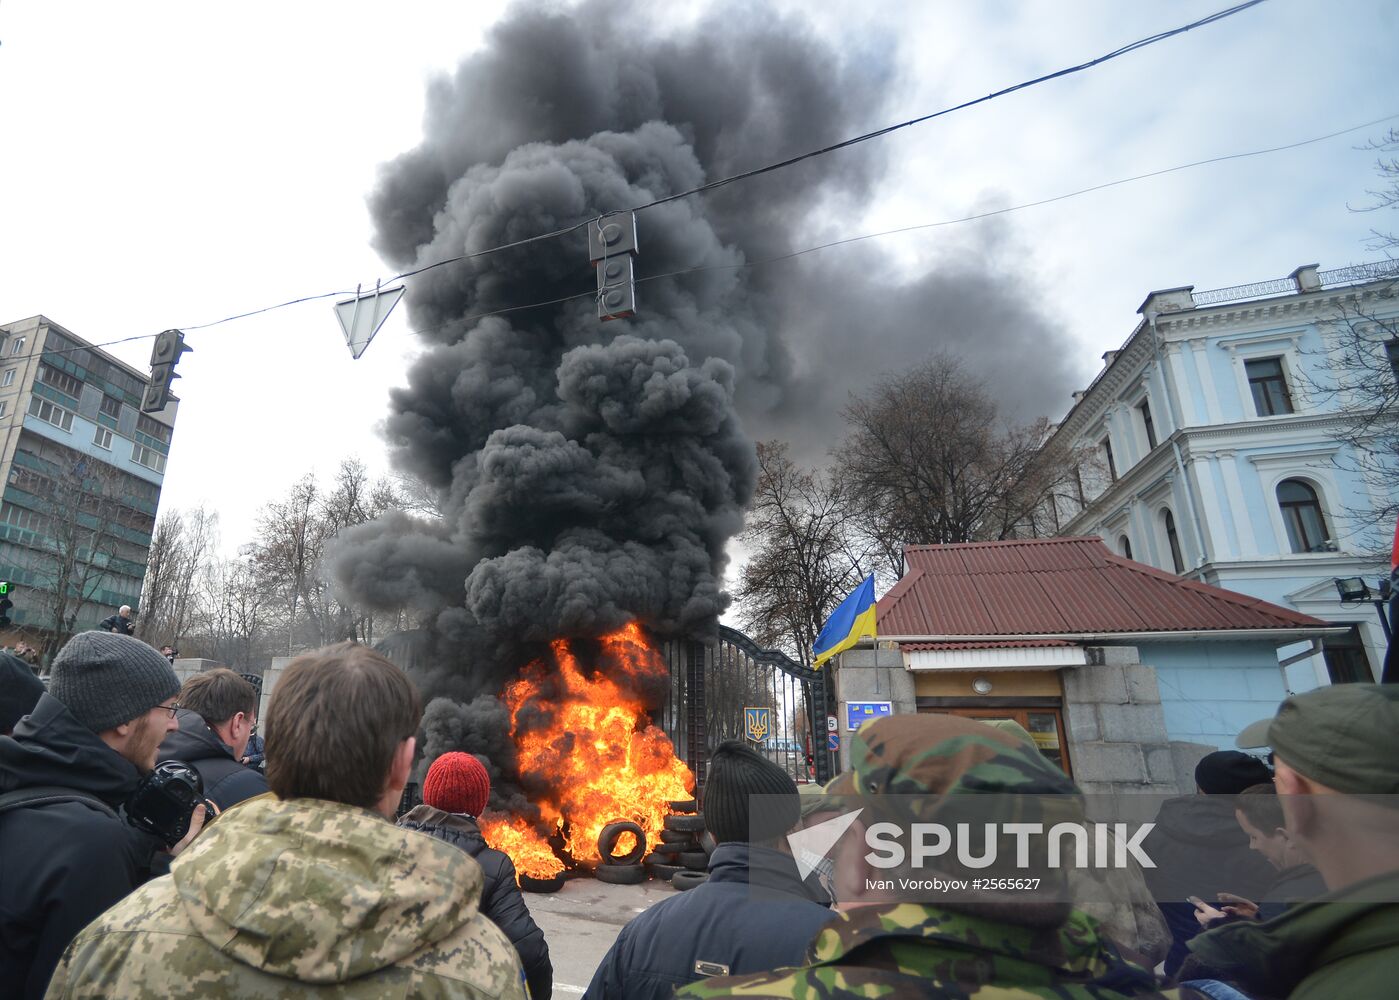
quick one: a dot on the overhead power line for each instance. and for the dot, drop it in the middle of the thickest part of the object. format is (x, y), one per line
(769, 168)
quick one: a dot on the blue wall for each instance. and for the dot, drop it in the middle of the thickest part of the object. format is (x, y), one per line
(1212, 689)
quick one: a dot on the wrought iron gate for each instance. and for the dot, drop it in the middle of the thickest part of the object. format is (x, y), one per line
(714, 689)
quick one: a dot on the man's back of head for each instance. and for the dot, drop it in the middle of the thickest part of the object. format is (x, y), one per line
(336, 727)
(226, 702)
(748, 798)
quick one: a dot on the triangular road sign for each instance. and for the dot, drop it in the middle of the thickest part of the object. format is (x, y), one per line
(361, 316)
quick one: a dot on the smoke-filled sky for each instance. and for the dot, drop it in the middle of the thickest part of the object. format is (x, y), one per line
(169, 164)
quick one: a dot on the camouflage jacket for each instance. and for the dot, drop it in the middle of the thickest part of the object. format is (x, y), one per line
(913, 950)
(299, 898)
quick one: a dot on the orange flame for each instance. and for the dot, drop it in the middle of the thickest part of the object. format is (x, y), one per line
(601, 759)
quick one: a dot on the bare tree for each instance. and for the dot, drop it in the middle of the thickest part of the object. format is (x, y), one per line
(928, 460)
(804, 555)
(72, 525)
(169, 598)
(233, 623)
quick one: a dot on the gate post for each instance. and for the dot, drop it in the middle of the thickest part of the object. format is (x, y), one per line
(696, 726)
(821, 702)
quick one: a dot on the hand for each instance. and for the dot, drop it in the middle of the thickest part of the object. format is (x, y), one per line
(1206, 914)
(196, 823)
(1238, 906)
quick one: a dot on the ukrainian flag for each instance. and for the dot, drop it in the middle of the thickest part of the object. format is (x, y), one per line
(848, 624)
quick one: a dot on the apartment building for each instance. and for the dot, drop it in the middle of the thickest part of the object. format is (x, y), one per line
(83, 469)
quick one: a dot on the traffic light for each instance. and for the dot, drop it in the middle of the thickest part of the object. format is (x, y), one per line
(612, 249)
(5, 604)
(169, 345)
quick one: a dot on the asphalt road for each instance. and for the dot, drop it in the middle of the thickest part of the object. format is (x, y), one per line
(581, 921)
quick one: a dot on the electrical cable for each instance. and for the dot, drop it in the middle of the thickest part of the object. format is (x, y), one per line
(473, 317)
(724, 181)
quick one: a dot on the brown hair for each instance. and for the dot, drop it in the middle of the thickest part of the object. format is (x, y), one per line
(218, 695)
(1261, 807)
(334, 721)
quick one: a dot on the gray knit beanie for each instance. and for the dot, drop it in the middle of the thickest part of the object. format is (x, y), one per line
(105, 679)
(747, 797)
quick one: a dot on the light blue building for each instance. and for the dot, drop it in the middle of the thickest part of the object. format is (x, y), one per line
(1204, 448)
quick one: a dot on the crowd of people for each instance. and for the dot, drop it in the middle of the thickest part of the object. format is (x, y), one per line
(290, 874)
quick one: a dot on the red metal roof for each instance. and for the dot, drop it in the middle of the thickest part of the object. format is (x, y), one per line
(1056, 586)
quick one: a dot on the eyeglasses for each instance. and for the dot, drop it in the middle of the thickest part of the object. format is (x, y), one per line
(172, 709)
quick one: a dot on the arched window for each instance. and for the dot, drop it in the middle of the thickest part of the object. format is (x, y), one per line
(1301, 512)
(1168, 523)
(1125, 544)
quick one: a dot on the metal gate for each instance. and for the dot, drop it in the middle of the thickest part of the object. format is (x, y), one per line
(733, 689)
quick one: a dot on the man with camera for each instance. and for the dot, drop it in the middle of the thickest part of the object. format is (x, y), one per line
(66, 854)
(218, 710)
(313, 892)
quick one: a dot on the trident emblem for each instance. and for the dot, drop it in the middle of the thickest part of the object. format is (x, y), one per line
(757, 723)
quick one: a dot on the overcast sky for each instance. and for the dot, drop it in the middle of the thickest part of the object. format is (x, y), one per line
(167, 164)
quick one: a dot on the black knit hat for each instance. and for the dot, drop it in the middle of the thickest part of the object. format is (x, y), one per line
(1228, 772)
(19, 690)
(105, 679)
(731, 813)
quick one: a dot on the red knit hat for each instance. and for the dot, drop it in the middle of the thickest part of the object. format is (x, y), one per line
(457, 783)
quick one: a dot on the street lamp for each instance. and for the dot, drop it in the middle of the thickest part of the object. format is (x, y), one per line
(1354, 590)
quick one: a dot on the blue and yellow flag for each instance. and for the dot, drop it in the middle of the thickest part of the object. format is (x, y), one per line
(850, 622)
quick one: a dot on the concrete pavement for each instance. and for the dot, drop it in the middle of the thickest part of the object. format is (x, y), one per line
(581, 921)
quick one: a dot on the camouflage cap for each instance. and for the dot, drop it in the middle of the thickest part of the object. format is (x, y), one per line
(931, 754)
(1345, 736)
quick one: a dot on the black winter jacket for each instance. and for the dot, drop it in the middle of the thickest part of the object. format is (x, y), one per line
(501, 899)
(226, 781)
(723, 921)
(116, 623)
(63, 864)
(1199, 850)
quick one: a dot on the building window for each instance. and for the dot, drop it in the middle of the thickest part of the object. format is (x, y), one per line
(148, 457)
(1391, 349)
(9, 378)
(157, 430)
(111, 406)
(1269, 386)
(51, 414)
(102, 438)
(1301, 513)
(1126, 545)
(1147, 425)
(16, 347)
(1168, 522)
(4, 406)
(61, 381)
(1107, 454)
(1345, 657)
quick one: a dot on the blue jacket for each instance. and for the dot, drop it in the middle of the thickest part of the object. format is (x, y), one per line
(724, 922)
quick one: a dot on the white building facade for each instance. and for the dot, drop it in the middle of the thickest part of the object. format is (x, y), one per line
(1214, 455)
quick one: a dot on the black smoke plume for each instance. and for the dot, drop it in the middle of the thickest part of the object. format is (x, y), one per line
(592, 474)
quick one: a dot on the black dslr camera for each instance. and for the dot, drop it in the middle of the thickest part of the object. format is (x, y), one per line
(164, 801)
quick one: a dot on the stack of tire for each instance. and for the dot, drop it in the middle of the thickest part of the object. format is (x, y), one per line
(682, 856)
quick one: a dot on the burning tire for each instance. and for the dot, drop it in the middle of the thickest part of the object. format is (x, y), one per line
(663, 873)
(688, 880)
(685, 824)
(621, 874)
(528, 883)
(607, 842)
(670, 850)
(676, 837)
(683, 806)
(696, 861)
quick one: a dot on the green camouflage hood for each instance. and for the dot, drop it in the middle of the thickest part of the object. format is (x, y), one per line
(321, 892)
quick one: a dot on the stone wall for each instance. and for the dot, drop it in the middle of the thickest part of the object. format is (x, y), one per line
(1116, 727)
(871, 675)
